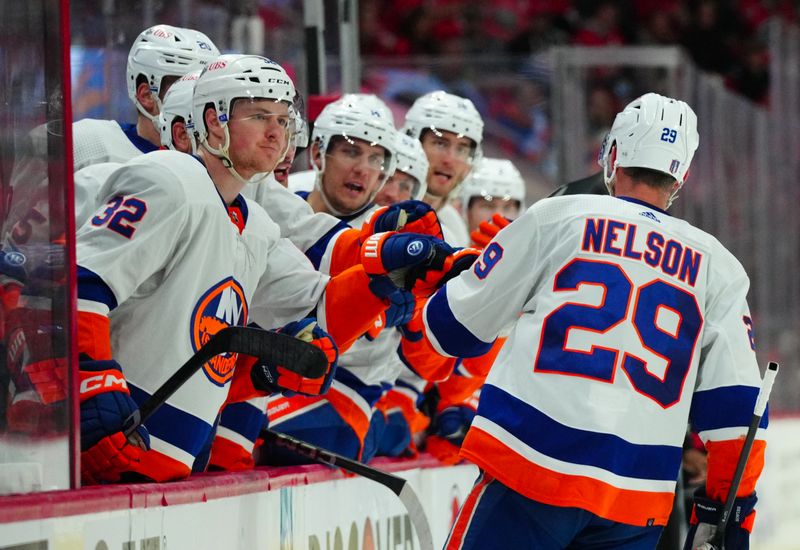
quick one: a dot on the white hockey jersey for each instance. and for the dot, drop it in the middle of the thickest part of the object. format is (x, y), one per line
(95, 141)
(165, 259)
(625, 321)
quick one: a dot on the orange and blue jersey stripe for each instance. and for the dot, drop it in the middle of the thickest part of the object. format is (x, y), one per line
(599, 472)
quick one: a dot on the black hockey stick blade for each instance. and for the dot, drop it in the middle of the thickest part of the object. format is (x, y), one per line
(399, 486)
(718, 540)
(273, 347)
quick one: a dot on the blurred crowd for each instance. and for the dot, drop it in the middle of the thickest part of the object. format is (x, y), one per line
(722, 37)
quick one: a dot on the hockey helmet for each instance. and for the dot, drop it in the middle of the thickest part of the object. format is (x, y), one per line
(164, 50)
(494, 178)
(444, 112)
(178, 103)
(655, 132)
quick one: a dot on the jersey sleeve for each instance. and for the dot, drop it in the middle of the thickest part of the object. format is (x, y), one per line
(728, 381)
(464, 317)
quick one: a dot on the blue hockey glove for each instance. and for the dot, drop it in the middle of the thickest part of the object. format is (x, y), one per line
(705, 517)
(401, 301)
(449, 428)
(105, 404)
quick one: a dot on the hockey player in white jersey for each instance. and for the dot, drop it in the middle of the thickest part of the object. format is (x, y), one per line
(350, 171)
(353, 153)
(495, 186)
(177, 253)
(158, 57)
(409, 179)
(627, 324)
(450, 129)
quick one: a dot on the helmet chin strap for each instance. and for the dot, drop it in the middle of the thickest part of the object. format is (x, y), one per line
(151, 118)
(674, 195)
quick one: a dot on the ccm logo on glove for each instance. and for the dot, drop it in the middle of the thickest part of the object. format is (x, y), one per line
(96, 383)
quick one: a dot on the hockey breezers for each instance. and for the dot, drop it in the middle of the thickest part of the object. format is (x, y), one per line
(305, 359)
(718, 540)
(396, 484)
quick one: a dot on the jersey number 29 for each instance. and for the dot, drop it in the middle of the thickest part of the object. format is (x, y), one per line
(676, 347)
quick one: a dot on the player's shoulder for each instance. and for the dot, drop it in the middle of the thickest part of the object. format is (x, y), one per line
(167, 174)
(96, 172)
(91, 126)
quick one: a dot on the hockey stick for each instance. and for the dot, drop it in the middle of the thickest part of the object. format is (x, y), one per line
(273, 347)
(718, 540)
(396, 484)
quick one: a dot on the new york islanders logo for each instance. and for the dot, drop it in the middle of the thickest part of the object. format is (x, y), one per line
(223, 305)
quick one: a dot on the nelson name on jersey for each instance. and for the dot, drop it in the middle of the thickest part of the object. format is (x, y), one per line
(616, 238)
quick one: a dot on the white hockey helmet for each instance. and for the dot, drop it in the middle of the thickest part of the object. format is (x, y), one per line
(231, 77)
(655, 132)
(164, 50)
(440, 112)
(359, 116)
(178, 103)
(494, 178)
(411, 159)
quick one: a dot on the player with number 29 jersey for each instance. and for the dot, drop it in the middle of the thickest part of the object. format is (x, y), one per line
(625, 272)
(627, 324)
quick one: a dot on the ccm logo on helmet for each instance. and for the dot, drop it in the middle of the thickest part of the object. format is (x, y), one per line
(92, 384)
(217, 65)
(278, 81)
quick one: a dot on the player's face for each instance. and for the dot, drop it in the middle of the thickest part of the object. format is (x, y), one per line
(281, 172)
(481, 210)
(259, 131)
(449, 158)
(353, 170)
(398, 188)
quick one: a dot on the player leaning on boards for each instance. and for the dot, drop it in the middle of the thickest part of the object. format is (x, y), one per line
(176, 255)
(627, 324)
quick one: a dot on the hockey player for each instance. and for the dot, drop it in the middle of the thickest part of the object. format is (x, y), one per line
(353, 153)
(408, 180)
(177, 254)
(451, 131)
(158, 57)
(347, 179)
(495, 186)
(627, 323)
